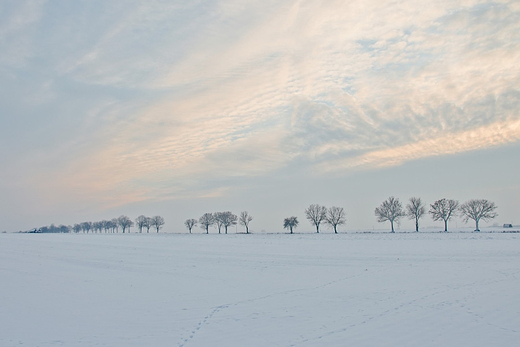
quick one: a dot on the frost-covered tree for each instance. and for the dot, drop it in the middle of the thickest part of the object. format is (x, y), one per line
(218, 218)
(444, 209)
(228, 219)
(335, 217)
(245, 218)
(390, 210)
(206, 221)
(148, 223)
(125, 223)
(114, 225)
(316, 214)
(290, 223)
(415, 210)
(106, 225)
(76, 228)
(86, 226)
(157, 222)
(97, 226)
(190, 223)
(477, 210)
(140, 222)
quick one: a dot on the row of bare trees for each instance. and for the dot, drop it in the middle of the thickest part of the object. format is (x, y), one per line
(318, 214)
(149, 222)
(391, 210)
(108, 226)
(220, 220)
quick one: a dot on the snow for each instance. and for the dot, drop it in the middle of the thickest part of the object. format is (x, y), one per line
(382, 289)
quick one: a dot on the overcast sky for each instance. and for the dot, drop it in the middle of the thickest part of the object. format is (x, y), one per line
(179, 108)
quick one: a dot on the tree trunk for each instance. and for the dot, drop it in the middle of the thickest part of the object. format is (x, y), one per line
(416, 225)
(226, 230)
(392, 223)
(446, 226)
(476, 226)
(247, 230)
(291, 229)
(335, 229)
(318, 228)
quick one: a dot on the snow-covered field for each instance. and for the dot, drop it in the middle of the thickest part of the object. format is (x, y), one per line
(380, 289)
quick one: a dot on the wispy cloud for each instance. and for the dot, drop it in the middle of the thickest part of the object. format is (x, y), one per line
(484, 137)
(213, 89)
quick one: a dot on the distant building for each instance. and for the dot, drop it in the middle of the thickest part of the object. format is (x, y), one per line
(508, 225)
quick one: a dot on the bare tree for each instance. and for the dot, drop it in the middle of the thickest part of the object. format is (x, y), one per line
(245, 218)
(477, 210)
(316, 214)
(106, 225)
(218, 218)
(415, 210)
(290, 223)
(125, 223)
(157, 222)
(86, 226)
(335, 217)
(444, 209)
(96, 226)
(228, 219)
(190, 223)
(206, 221)
(140, 222)
(114, 225)
(148, 223)
(390, 210)
(76, 228)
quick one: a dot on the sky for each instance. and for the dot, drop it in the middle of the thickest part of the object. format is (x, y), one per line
(178, 108)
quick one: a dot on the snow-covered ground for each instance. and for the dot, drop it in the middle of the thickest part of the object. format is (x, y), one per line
(378, 289)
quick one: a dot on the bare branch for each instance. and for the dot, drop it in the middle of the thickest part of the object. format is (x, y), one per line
(316, 214)
(335, 217)
(245, 218)
(444, 209)
(206, 221)
(157, 222)
(125, 222)
(190, 223)
(477, 210)
(390, 210)
(415, 210)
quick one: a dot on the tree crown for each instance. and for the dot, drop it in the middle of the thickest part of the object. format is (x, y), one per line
(389, 210)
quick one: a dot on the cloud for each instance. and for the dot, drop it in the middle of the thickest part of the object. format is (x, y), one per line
(201, 92)
(496, 134)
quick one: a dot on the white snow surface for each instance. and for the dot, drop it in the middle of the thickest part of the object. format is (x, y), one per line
(403, 289)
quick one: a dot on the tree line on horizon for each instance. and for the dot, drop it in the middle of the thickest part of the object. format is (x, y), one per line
(108, 226)
(220, 220)
(390, 210)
